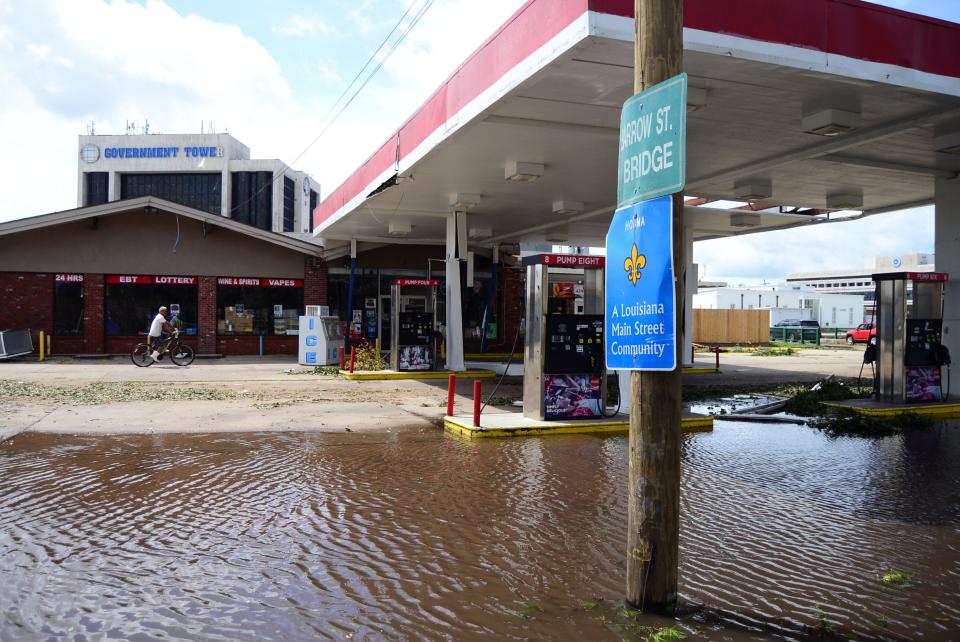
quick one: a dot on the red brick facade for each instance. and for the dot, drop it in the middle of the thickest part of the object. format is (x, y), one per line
(314, 281)
(207, 315)
(27, 302)
(93, 337)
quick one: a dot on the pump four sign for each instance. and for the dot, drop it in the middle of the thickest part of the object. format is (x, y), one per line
(653, 142)
(640, 315)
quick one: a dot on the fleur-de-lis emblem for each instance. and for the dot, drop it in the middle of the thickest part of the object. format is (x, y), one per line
(634, 263)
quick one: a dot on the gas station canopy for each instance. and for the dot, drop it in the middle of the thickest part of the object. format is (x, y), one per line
(800, 108)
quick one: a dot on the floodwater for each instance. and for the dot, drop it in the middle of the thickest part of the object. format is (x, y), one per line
(418, 535)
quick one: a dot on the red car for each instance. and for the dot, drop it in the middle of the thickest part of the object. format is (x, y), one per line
(862, 333)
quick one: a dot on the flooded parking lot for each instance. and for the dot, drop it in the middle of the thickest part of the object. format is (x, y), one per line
(418, 535)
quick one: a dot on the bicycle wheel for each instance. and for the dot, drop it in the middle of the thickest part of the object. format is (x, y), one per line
(181, 355)
(141, 355)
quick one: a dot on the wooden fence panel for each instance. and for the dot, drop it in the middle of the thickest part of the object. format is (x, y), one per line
(719, 327)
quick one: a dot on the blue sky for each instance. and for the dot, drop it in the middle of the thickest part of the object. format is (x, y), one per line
(267, 72)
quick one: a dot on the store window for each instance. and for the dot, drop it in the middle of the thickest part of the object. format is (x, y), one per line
(477, 306)
(254, 306)
(68, 305)
(131, 302)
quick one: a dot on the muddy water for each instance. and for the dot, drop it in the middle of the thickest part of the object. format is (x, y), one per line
(418, 535)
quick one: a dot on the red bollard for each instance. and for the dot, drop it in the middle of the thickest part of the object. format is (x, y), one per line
(353, 357)
(476, 403)
(341, 358)
(717, 349)
(451, 388)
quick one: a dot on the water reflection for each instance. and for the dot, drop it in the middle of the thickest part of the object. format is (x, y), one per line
(420, 536)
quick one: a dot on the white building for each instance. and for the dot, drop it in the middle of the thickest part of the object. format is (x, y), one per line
(210, 172)
(830, 310)
(860, 280)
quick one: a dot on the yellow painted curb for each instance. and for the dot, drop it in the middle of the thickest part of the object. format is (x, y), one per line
(943, 411)
(701, 371)
(464, 428)
(387, 375)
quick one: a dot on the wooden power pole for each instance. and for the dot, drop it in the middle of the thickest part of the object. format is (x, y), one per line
(654, 479)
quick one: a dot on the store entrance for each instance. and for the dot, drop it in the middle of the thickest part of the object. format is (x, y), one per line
(385, 309)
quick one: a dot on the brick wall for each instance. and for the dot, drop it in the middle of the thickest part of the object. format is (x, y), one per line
(230, 344)
(93, 314)
(314, 281)
(27, 302)
(207, 315)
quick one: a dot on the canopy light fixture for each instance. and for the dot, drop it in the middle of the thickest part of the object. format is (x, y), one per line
(947, 143)
(747, 219)
(461, 202)
(831, 122)
(845, 201)
(523, 172)
(696, 98)
(563, 206)
(480, 231)
(399, 228)
(754, 189)
(559, 234)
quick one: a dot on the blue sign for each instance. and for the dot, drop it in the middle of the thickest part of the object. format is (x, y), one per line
(640, 318)
(653, 142)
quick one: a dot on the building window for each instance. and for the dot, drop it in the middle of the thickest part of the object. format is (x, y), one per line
(197, 190)
(251, 198)
(257, 306)
(308, 219)
(68, 305)
(288, 200)
(96, 188)
(131, 302)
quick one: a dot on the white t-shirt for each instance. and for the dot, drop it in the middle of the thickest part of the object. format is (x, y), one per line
(156, 326)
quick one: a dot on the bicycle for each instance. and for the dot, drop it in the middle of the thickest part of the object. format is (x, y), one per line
(180, 354)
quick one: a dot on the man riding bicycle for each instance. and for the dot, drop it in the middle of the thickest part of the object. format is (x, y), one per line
(160, 328)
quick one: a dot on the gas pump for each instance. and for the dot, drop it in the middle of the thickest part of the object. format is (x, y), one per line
(910, 355)
(413, 324)
(563, 360)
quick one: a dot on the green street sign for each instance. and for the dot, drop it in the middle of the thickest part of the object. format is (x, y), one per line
(653, 143)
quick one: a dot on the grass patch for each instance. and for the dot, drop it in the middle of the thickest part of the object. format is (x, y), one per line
(93, 394)
(775, 352)
(899, 579)
(326, 371)
(500, 401)
(529, 610)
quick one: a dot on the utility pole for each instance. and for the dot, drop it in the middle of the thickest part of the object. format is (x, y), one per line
(653, 520)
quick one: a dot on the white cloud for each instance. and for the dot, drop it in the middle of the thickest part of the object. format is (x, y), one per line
(298, 26)
(76, 61)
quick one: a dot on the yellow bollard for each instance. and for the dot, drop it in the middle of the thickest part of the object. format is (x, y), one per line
(49, 351)
(378, 345)
(42, 344)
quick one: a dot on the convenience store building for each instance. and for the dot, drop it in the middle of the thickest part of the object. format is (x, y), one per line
(93, 277)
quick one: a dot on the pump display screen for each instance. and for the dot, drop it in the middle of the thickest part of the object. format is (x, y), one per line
(416, 328)
(574, 344)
